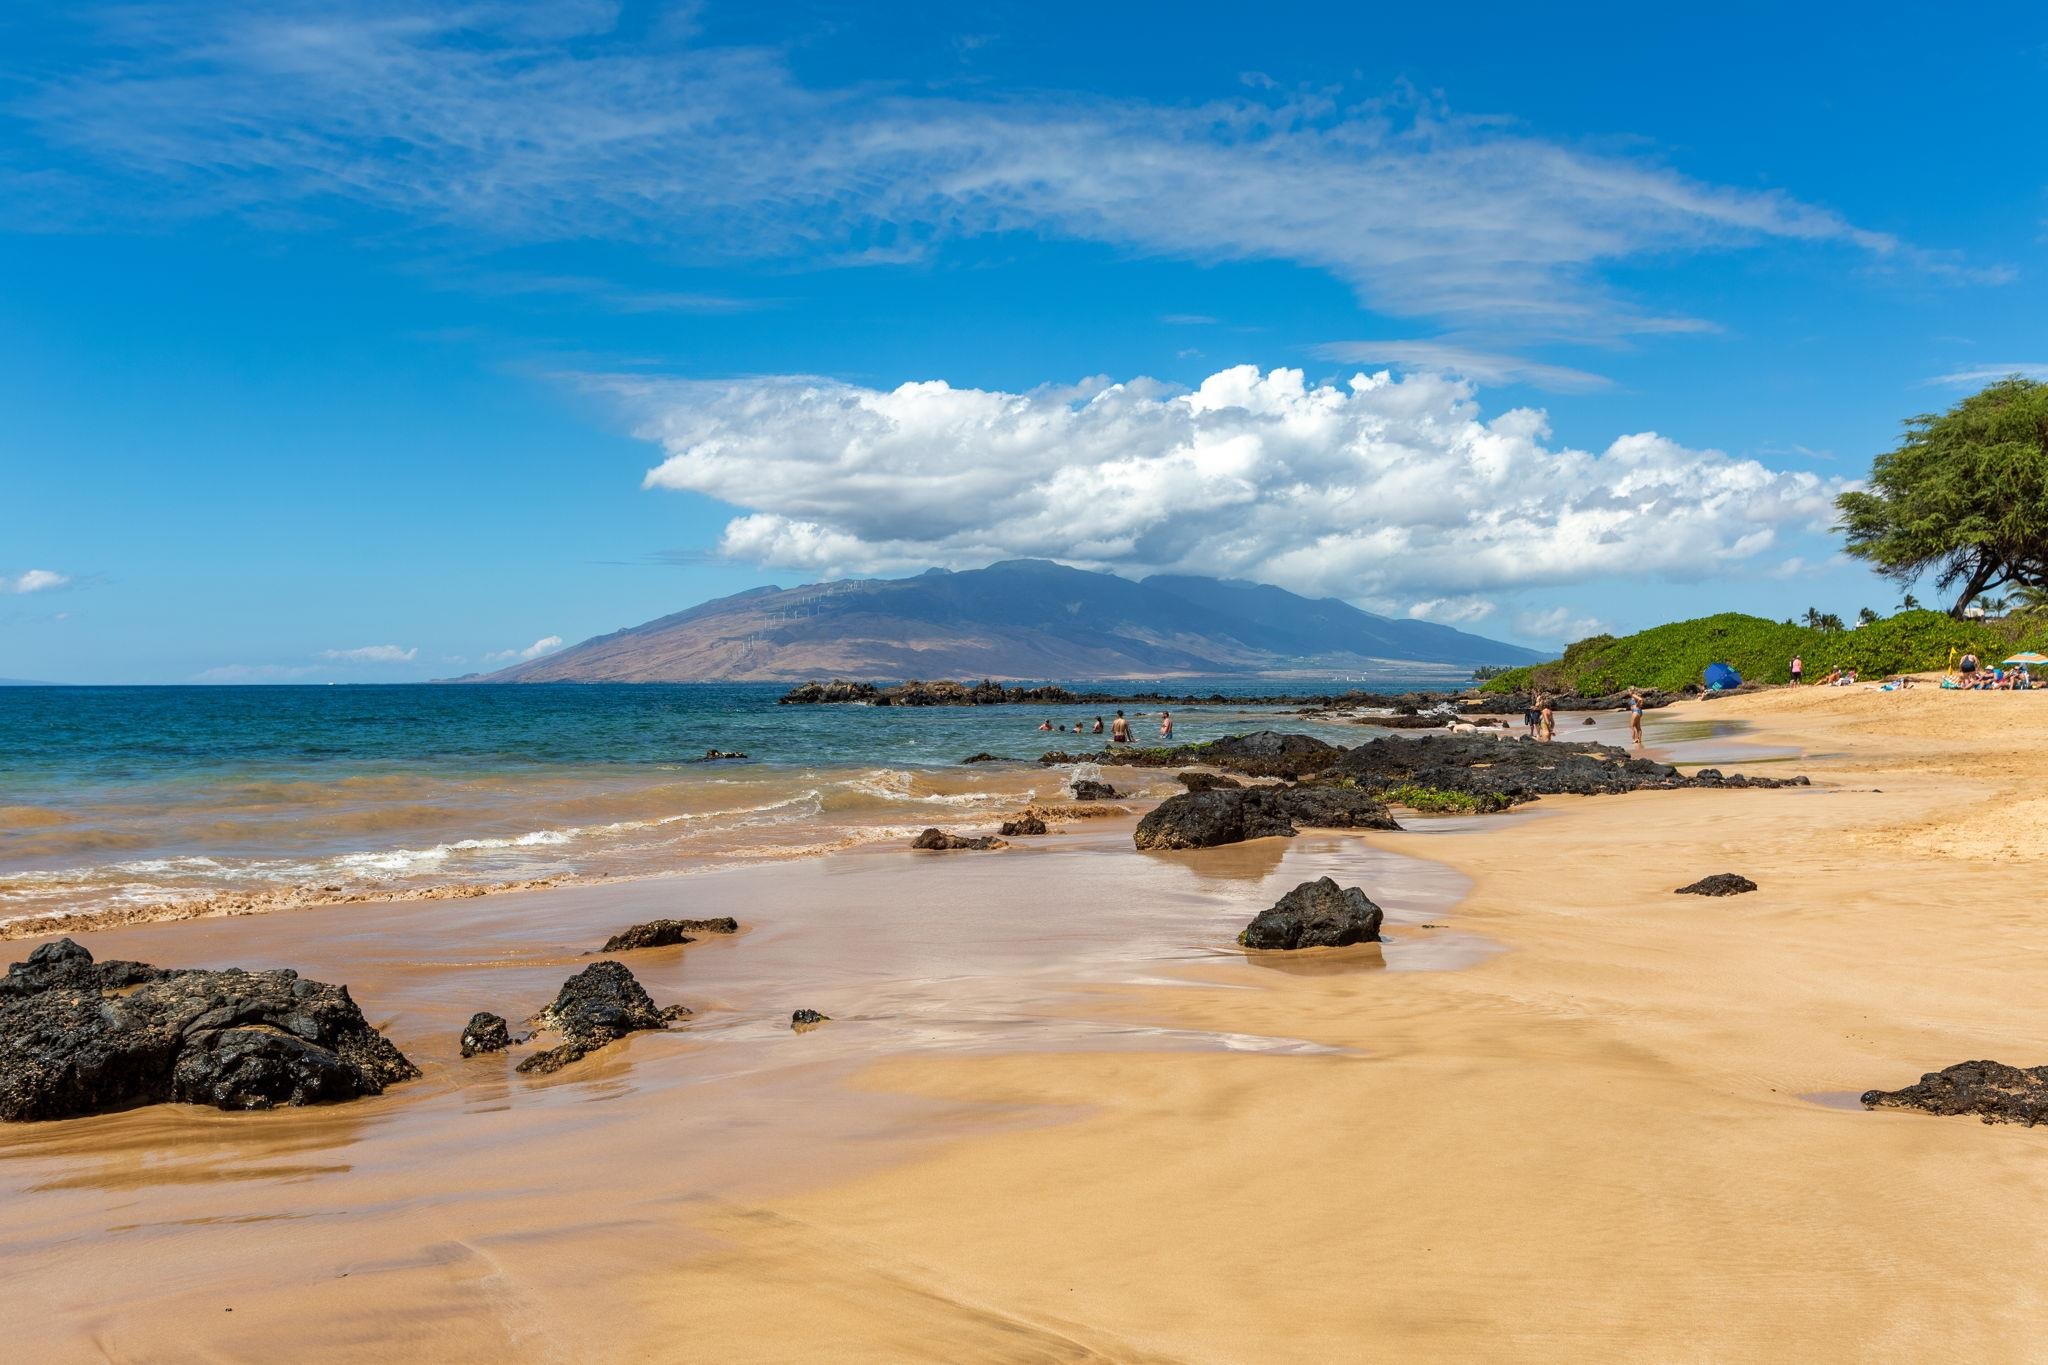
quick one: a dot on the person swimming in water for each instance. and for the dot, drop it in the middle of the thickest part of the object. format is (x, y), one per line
(1098, 726)
(1119, 730)
(1045, 725)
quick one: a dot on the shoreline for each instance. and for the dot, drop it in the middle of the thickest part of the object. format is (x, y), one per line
(1585, 1128)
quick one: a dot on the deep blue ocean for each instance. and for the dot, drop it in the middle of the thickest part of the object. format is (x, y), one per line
(114, 796)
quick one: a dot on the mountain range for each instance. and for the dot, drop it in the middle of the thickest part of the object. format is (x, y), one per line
(1022, 618)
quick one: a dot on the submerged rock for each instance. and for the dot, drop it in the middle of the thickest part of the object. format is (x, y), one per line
(718, 756)
(485, 1033)
(656, 933)
(80, 1037)
(1205, 819)
(983, 757)
(1995, 1092)
(1317, 914)
(939, 840)
(1085, 790)
(600, 1004)
(805, 1020)
(1720, 884)
(1026, 823)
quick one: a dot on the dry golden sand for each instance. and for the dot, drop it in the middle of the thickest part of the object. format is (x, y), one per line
(1597, 1144)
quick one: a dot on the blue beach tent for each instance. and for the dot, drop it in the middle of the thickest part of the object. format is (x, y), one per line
(1720, 677)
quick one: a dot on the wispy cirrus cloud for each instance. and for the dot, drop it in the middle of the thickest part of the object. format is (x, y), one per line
(1486, 367)
(1989, 374)
(1382, 490)
(372, 654)
(464, 116)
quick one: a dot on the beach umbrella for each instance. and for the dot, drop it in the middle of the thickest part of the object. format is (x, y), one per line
(2028, 658)
(1721, 677)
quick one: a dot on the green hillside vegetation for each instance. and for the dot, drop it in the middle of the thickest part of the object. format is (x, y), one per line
(1673, 656)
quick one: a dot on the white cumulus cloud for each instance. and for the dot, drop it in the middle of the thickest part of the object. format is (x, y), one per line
(1378, 490)
(35, 580)
(371, 654)
(547, 644)
(1560, 625)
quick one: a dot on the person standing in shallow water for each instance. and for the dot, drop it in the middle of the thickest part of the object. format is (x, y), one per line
(1119, 730)
(1635, 717)
(1547, 710)
(1166, 725)
(1098, 726)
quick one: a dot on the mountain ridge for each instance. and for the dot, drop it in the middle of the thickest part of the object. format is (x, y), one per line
(1015, 619)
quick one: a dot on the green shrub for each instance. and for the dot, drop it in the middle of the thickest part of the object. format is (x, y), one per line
(1673, 656)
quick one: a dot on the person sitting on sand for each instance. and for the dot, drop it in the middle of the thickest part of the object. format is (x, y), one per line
(1635, 717)
(1098, 726)
(1968, 668)
(1166, 725)
(1119, 730)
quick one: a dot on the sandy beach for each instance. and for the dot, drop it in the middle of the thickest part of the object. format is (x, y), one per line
(1059, 1116)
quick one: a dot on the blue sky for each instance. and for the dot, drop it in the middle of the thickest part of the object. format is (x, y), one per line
(370, 342)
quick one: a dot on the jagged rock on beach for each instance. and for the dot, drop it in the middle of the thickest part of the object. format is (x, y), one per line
(1085, 790)
(84, 1037)
(939, 840)
(485, 1033)
(598, 1005)
(1484, 767)
(1263, 753)
(656, 933)
(1208, 782)
(1022, 825)
(1720, 884)
(803, 1021)
(1993, 1091)
(1205, 819)
(1317, 914)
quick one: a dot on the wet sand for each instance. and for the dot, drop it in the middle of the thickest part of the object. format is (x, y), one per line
(1057, 1117)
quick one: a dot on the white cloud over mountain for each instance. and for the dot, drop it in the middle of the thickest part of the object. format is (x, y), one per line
(463, 116)
(547, 644)
(1379, 490)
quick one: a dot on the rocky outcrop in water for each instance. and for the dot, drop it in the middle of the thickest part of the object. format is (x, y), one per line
(1085, 790)
(485, 1033)
(983, 757)
(666, 933)
(720, 756)
(939, 841)
(1514, 771)
(84, 1037)
(1317, 914)
(1264, 753)
(1205, 819)
(1720, 884)
(1024, 824)
(1993, 1091)
(1208, 782)
(600, 1004)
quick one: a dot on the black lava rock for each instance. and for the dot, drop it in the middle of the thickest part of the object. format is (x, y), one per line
(804, 1020)
(1485, 767)
(939, 840)
(656, 933)
(1023, 824)
(1720, 884)
(485, 1033)
(79, 1037)
(1208, 782)
(1317, 914)
(1085, 790)
(1995, 1092)
(981, 758)
(598, 1005)
(1206, 819)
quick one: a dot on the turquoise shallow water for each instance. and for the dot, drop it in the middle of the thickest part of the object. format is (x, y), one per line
(113, 796)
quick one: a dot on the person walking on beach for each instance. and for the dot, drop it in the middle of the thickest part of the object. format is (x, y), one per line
(1119, 730)
(1635, 717)
(1798, 670)
(1166, 725)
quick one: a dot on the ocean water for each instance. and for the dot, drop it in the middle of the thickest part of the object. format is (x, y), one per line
(117, 797)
